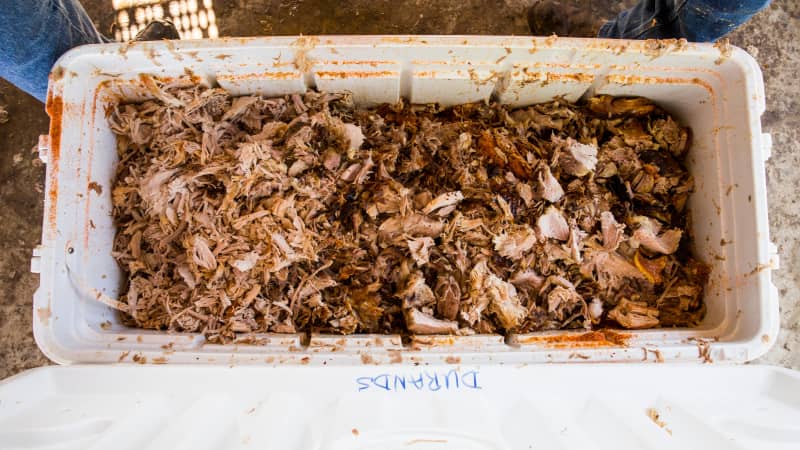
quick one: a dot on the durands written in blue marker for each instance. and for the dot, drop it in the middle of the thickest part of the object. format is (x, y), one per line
(431, 381)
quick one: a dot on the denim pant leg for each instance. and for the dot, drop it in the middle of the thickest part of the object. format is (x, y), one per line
(34, 34)
(694, 20)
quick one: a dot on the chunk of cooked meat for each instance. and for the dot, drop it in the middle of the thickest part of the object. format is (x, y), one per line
(563, 301)
(652, 268)
(420, 323)
(478, 301)
(515, 241)
(443, 204)
(308, 214)
(448, 297)
(412, 225)
(634, 315)
(612, 232)
(607, 105)
(420, 249)
(552, 224)
(504, 302)
(575, 158)
(649, 236)
(548, 187)
(416, 292)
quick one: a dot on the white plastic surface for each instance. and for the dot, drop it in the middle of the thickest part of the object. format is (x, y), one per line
(720, 96)
(552, 407)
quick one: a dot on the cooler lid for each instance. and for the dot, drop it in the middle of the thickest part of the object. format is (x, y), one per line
(640, 406)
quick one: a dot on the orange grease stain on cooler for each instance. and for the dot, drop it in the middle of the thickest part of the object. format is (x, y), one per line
(576, 77)
(591, 339)
(434, 340)
(44, 314)
(345, 75)
(636, 79)
(55, 109)
(453, 360)
(395, 357)
(528, 75)
(353, 63)
(262, 76)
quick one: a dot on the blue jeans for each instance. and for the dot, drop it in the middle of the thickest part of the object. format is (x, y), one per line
(694, 20)
(34, 33)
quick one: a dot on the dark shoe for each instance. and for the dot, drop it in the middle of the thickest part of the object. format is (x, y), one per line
(157, 30)
(547, 17)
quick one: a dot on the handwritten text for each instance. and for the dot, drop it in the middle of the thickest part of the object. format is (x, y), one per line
(431, 381)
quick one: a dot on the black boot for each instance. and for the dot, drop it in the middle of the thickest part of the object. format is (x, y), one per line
(157, 30)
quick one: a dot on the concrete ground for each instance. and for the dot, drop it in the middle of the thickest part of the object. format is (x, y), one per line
(773, 37)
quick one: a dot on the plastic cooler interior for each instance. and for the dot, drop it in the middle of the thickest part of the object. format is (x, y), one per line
(717, 91)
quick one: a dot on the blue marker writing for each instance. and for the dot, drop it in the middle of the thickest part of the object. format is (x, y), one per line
(382, 381)
(470, 379)
(447, 377)
(418, 383)
(363, 383)
(401, 381)
(433, 381)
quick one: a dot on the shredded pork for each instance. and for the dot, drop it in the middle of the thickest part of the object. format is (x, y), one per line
(305, 213)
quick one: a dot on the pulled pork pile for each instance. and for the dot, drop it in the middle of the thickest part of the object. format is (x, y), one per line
(305, 213)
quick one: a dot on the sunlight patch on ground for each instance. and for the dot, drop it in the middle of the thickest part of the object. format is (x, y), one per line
(194, 19)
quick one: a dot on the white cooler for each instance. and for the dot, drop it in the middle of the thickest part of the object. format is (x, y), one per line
(375, 392)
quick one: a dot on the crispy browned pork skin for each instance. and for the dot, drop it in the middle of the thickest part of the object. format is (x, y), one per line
(306, 213)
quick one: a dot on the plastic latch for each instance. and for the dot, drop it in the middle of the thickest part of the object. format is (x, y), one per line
(766, 146)
(36, 259)
(774, 256)
(43, 147)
